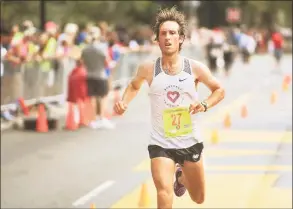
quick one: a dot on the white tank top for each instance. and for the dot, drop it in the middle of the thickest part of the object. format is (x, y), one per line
(167, 91)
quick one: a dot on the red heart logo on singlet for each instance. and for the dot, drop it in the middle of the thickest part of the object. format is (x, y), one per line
(173, 96)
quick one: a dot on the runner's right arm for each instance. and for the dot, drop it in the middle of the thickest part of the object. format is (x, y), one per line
(135, 84)
(132, 89)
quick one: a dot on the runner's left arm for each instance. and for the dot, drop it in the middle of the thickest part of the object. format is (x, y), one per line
(204, 75)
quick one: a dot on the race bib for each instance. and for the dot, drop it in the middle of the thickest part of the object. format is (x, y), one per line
(177, 122)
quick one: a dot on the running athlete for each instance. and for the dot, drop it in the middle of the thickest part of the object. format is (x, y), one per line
(175, 139)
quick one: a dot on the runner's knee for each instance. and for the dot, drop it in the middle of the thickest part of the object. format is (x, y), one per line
(165, 195)
(197, 197)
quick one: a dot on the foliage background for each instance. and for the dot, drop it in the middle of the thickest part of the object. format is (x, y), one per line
(260, 14)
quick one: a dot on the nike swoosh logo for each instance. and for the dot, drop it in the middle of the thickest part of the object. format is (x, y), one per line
(180, 80)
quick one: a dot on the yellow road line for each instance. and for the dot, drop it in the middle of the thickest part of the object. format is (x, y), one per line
(268, 198)
(261, 190)
(145, 166)
(250, 136)
(240, 152)
(233, 193)
(249, 167)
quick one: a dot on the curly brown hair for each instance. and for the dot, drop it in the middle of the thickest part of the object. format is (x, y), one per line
(171, 14)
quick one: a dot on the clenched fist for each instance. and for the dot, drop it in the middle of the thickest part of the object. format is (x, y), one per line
(120, 107)
(196, 107)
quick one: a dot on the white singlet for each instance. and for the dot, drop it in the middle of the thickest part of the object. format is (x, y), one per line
(168, 92)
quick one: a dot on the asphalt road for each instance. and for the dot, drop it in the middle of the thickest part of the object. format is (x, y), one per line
(252, 158)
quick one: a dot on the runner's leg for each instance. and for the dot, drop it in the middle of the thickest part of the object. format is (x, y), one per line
(163, 169)
(194, 180)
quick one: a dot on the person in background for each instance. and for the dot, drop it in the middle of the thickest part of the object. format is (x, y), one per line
(247, 45)
(16, 34)
(277, 42)
(81, 36)
(94, 58)
(77, 85)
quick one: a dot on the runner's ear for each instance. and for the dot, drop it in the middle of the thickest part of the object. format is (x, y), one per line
(181, 39)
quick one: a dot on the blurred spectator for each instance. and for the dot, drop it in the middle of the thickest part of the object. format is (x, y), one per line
(123, 35)
(247, 45)
(218, 36)
(77, 85)
(133, 45)
(51, 27)
(277, 46)
(48, 46)
(17, 35)
(114, 46)
(94, 58)
(23, 49)
(81, 36)
(63, 46)
(70, 31)
(104, 28)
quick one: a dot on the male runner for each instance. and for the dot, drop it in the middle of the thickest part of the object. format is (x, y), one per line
(174, 101)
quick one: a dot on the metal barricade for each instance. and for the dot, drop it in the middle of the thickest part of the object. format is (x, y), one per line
(34, 80)
(30, 75)
(11, 82)
(127, 65)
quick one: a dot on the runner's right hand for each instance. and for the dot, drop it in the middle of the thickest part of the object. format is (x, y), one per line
(120, 107)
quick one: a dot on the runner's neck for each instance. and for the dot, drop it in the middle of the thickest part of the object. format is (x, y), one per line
(171, 64)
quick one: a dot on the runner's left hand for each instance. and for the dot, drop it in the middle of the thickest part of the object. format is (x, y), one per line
(196, 107)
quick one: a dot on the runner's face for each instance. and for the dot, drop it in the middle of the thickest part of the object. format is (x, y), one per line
(169, 38)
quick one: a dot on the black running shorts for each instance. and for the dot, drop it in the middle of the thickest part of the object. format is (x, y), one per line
(97, 87)
(191, 154)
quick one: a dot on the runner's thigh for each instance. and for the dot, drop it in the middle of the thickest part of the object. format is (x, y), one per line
(194, 177)
(163, 169)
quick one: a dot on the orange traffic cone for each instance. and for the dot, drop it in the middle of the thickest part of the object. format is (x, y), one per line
(70, 119)
(24, 108)
(93, 206)
(42, 123)
(227, 121)
(83, 121)
(144, 200)
(287, 79)
(244, 111)
(285, 85)
(273, 97)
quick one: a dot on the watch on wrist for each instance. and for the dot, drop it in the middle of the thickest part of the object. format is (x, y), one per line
(205, 105)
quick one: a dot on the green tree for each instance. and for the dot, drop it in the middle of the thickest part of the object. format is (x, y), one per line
(133, 13)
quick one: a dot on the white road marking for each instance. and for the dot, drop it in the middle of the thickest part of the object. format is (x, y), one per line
(93, 193)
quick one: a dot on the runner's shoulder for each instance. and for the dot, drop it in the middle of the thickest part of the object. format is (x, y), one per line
(198, 68)
(197, 64)
(147, 66)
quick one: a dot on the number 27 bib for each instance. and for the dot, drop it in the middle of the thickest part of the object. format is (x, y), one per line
(177, 122)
